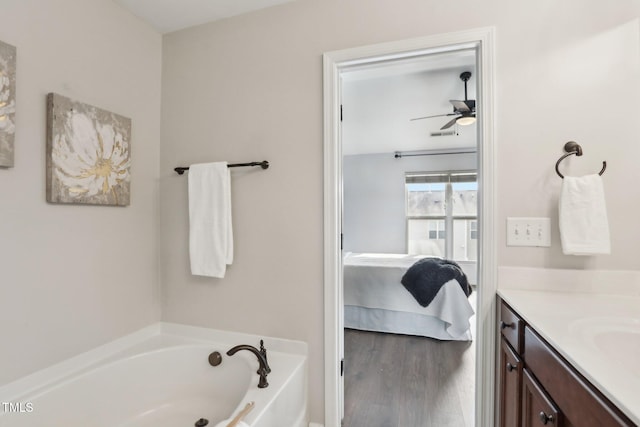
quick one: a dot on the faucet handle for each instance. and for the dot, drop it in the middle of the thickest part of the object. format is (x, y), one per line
(263, 351)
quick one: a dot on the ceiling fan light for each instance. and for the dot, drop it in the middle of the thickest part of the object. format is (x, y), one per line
(466, 120)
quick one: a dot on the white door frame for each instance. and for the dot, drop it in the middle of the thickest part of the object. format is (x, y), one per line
(482, 40)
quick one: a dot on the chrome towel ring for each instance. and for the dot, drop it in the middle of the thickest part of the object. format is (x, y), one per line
(570, 148)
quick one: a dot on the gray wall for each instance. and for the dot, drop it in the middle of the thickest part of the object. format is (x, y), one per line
(75, 277)
(374, 197)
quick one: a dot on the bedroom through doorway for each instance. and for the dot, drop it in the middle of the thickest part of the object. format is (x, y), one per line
(409, 143)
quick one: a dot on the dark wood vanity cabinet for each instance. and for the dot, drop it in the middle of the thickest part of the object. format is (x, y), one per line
(537, 387)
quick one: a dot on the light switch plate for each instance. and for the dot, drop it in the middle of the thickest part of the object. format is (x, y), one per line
(529, 232)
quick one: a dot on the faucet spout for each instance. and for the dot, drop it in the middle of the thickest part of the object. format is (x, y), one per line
(261, 355)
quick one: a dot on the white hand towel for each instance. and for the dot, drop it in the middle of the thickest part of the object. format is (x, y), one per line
(584, 228)
(210, 231)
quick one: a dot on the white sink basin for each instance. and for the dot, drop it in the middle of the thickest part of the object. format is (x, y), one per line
(617, 338)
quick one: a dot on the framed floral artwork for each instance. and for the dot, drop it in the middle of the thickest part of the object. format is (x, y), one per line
(88, 154)
(7, 103)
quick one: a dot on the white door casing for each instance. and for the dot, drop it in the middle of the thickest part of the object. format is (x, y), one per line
(482, 40)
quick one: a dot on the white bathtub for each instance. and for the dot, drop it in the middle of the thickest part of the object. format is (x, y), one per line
(161, 377)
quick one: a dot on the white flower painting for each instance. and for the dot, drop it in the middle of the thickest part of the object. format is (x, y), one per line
(88, 154)
(7, 103)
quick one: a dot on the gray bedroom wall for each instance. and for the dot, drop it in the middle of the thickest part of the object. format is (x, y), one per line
(374, 197)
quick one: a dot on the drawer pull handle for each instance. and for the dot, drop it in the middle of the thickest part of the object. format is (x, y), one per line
(544, 418)
(511, 367)
(504, 325)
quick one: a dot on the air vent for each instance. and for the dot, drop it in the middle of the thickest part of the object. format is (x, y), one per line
(448, 133)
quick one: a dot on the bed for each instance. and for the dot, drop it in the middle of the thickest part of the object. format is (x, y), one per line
(375, 300)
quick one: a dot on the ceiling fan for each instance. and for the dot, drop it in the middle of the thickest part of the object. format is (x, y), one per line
(465, 111)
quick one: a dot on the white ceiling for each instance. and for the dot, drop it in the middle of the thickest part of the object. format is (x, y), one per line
(380, 99)
(171, 15)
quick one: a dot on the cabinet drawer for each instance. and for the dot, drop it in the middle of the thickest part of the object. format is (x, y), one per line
(581, 404)
(511, 327)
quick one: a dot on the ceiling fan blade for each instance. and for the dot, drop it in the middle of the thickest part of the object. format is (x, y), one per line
(430, 117)
(449, 124)
(460, 106)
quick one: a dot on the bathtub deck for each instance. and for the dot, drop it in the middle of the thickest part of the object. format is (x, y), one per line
(159, 376)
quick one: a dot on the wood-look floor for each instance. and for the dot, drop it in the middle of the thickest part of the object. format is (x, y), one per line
(406, 381)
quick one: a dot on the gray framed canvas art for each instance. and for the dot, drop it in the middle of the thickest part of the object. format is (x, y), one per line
(7, 103)
(88, 154)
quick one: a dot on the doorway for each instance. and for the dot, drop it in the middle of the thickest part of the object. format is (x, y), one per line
(386, 55)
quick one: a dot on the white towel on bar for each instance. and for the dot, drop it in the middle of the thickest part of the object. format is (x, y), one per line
(210, 231)
(584, 227)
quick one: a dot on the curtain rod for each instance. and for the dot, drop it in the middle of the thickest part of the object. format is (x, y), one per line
(263, 164)
(399, 155)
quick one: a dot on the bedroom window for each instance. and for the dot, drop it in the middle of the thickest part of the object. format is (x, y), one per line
(442, 214)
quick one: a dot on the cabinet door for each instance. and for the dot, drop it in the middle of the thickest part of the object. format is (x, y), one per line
(537, 407)
(510, 388)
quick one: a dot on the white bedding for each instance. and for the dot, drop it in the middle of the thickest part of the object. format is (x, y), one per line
(375, 299)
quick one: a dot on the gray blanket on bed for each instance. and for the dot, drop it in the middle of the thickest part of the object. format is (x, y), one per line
(425, 278)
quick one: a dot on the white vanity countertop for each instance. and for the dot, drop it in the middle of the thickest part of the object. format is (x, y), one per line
(598, 333)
